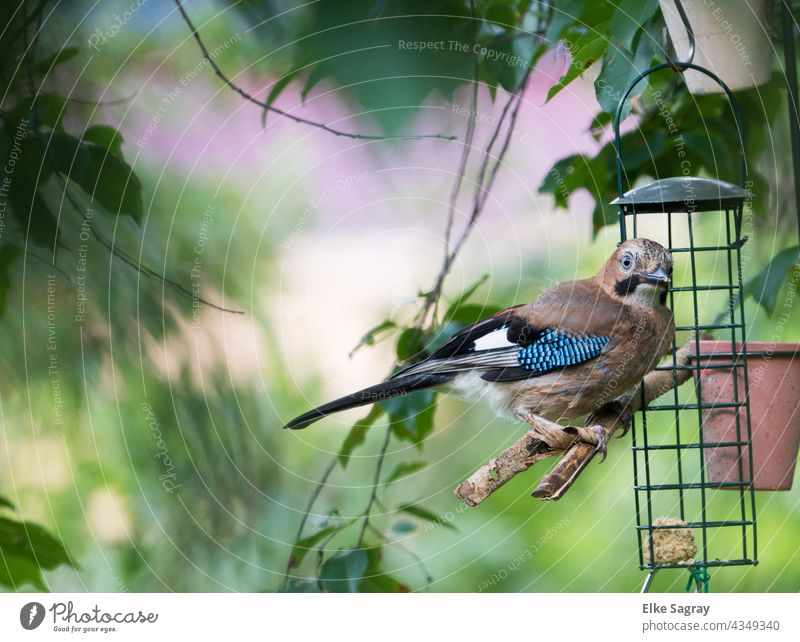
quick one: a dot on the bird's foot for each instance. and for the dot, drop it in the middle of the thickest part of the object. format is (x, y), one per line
(600, 434)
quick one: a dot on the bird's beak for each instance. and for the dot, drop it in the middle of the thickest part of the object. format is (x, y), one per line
(659, 277)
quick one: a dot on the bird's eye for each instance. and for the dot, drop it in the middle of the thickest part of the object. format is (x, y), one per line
(626, 262)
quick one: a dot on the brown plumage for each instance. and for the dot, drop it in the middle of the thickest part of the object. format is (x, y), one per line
(638, 323)
(576, 347)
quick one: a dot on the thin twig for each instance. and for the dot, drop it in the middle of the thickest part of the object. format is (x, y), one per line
(482, 189)
(151, 273)
(298, 119)
(417, 559)
(465, 153)
(307, 512)
(136, 265)
(375, 484)
(479, 200)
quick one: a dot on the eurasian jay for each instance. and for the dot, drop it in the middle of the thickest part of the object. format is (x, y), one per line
(579, 345)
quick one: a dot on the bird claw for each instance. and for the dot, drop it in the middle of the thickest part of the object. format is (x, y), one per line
(600, 435)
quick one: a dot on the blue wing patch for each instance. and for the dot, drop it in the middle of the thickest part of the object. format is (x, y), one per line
(557, 349)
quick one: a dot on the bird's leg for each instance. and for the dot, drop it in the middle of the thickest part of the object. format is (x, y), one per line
(558, 437)
(594, 435)
(551, 433)
(600, 434)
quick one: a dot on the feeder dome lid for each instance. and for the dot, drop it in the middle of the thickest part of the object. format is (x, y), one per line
(682, 194)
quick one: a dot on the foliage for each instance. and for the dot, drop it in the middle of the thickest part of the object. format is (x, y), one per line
(56, 180)
(676, 133)
(43, 155)
(27, 549)
(68, 161)
(765, 286)
(436, 54)
(610, 43)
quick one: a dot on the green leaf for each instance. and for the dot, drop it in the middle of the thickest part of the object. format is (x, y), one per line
(383, 583)
(8, 254)
(46, 65)
(425, 514)
(599, 123)
(411, 415)
(472, 313)
(620, 68)
(343, 572)
(16, 572)
(276, 90)
(112, 183)
(4, 503)
(31, 541)
(567, 14)
(300, 586)
(502, 13)
(403, 469)
(69, 155)
(628, 19)
(765, 286)
(358, 434)
(506, 62)
(442, 335)
(305, 544)
(469, 291)
(602, 215)
(42, 109)
(376, 581)
(31, 172)
(372, 335)
(410, 344)
(317, 74)
(106, 137)
(403, 527)
(456, 308)
(563, 177)
(585, 51)
(43, 225)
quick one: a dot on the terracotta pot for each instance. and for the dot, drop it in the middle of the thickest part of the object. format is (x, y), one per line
(774, 382)
(731, 39)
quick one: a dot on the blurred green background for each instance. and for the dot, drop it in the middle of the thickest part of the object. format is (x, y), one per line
(153, 449)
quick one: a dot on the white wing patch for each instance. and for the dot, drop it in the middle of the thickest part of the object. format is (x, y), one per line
(492, 350)
(494, 340)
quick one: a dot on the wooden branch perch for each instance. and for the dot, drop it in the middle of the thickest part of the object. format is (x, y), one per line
(573, 444)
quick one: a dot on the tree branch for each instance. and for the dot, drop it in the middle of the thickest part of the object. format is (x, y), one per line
(571, 442)
(298, 119)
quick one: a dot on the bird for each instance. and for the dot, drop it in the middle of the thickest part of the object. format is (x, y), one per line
(577, 346)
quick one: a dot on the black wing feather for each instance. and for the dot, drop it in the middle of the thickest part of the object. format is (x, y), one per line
(464, 340)
(519, 350)
(509, 374)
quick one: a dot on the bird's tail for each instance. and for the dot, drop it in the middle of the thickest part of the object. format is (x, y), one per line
(395, 387)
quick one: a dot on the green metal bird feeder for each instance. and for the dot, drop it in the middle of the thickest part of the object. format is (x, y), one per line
(710, 518)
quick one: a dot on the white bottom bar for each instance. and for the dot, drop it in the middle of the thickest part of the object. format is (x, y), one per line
(399, 617)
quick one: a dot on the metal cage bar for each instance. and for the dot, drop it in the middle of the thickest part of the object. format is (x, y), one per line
(696, 493)
(691, 486)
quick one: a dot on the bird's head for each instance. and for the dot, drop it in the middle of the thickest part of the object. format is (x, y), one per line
(639, 271)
